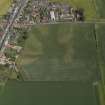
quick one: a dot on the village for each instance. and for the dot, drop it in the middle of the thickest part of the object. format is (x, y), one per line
(43, 11)
(35, 12)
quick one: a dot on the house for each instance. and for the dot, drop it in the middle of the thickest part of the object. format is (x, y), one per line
(17, 48)
(52, 14)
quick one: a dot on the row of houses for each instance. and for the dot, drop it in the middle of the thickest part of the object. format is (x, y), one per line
(43, 11)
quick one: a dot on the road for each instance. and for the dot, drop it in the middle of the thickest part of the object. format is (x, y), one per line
(6, 36)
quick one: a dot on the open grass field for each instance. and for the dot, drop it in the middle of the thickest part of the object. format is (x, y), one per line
(4, 5)
(60, 52)
(48, 93)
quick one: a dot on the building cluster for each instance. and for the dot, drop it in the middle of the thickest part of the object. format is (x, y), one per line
(6, 59)
(44, 11)
(36, 11)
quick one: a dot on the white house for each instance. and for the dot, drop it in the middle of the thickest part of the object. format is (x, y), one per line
(52, 14)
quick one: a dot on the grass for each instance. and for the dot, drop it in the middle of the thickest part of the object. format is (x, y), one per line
(4, 5)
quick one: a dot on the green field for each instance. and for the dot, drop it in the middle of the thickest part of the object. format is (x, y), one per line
(66, 52)
(100, 33)
(100, 43)
(49, 93)
(60, 52)
(4, 5)
(100, 4)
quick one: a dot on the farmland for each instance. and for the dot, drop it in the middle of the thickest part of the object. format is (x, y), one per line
(100, 34)
(60, 52)
(100, 8)
(65, 52)
(48, 93)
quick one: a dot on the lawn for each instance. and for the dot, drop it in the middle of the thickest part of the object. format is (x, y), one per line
(4, 5)
(60, 52)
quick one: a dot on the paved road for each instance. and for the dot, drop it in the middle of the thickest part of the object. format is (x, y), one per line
(20, 6)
